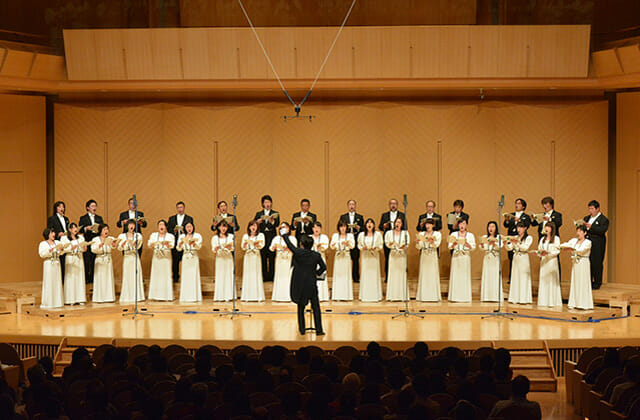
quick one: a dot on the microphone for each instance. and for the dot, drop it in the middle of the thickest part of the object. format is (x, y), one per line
(404, 201)
(235, 200)
(135, 200)
(501, 203)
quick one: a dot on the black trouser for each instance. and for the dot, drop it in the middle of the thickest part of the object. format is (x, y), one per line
(62, 258)
(89, 262)
(176, 257)
(268, 258)
(315, 306)
(355, 264)
(596, 259)
(510, 256)
(386, 262)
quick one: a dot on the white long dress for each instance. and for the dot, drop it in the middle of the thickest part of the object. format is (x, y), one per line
(104, 289)
(52, 294)
(190, 284)
(370, 280)
(282, 274)
(429, 274)
(549, 293)
(460, 276)
(74, 287)
(160, 280)
(223, 248)
(320, 245)
(397, 282)
(520, 287)
(252, 285)
(129, 263)
(491, 284)
(342, 288)
(580, 293)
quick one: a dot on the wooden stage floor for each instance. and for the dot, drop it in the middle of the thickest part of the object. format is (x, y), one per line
(344, 323)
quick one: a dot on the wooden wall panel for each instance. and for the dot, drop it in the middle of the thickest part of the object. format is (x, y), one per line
(167, 60)
(17, 63)
(367, 151)
(627, 188)
(224, 55)
(110, 54)
(22, 185)
(311, 48)
(195, 53)
(80, 54)
(138, 54)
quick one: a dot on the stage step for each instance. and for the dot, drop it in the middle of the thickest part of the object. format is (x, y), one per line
(536, 365)
(64, 354)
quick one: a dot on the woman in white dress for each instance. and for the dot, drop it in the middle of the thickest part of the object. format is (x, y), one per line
(342, 242)
(103, 280)
(370, 245)
(189, 243)
(427, 243)
(520, 286)
(129, 243)
(252, 242)
(461, 243)
(549, 293)
(580, 293)
(50, 250)
(397, 240)
(282, 274)
(222, 247)
(320, 245)
(160, 281)
(74, 285)
(491, 283)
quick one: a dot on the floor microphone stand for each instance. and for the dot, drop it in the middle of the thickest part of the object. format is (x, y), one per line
(136, 312)
(234, 312)
(498, 312)
(406, 312)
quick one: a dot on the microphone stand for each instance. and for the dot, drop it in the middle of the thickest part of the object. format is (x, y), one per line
(234, 312)
(135, 289)
(406, 313)
(498, 312)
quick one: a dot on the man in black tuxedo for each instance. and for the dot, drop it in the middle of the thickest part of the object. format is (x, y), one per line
(307, 266)
(305, 227)
(132, 214)
(430, 214)
(459, 215)
(597, 226)
(550, 215)
(356, 221)
(268, 224)
(222, 212)
(59, 223)
(511, 223)
(178, 219)
(86, 221)
(386, 223)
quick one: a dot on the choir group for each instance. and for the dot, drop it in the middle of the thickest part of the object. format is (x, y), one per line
(81, 254)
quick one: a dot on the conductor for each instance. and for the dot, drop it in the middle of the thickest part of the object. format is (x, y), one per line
(307, 266)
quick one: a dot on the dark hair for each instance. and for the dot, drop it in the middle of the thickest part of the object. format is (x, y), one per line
(458, 202)
(305, 200)
(162, 221)
(350, 200)
(593, 203)
(523, 201)
(88, 203)
(520, 386)
(306, 242)
(317, 223)
(266, 197)
(366, 222)
(56, 204)
(401, 221)
(548, 200)
(582, 228)
(492, 222)
(429, 221)
(553, 231)
(252, 222)
(222, 223)
(524, 225)
(189, 223)
(72, 224)
(47, 231)
(130, 200)
(220, 202)
(341, 223)
(180, 202)
(130, 222)
(430, 201)
(101, 228)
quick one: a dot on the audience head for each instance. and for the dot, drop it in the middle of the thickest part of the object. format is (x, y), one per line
(520, 386)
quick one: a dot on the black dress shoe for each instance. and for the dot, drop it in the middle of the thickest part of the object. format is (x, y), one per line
(319, 332)
(303, 332)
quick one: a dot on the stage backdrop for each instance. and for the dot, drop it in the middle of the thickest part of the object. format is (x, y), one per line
(202, 153)
(23, 188)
